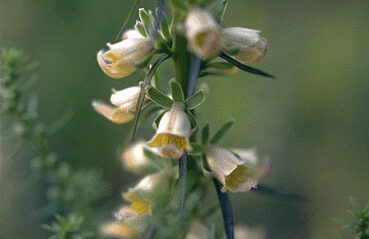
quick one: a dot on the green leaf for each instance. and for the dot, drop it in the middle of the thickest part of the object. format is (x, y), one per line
(193, 121)
(205, 134)
(179, 5)
(222, 65)
(140, 28)
(220, 11)
(195, 100)
(146, 19)
(165, 28)
(355, 206)
(176, 91)
(221, 132)
(159, 98)
(196, 148)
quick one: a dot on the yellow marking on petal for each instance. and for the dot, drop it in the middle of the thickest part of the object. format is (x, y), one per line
(239, 176)
(138, 205)
(163, 139)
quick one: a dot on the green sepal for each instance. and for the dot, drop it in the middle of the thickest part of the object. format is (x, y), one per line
(220, 64)
(193, 122)
(159, 98)
(157, 119)
(146, 19)
(205, 134)
(197, 149)
(165, 29)
(221, 132)
(195, 100)
(140, 28)
(176, 91)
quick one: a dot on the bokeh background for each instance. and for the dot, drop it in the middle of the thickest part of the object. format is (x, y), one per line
(313, 121)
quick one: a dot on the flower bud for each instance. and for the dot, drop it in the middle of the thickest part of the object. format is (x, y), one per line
(172, 135)
(126, 99)
(131, 33)
(237, 174)
(202, 33)
(147, 192)
(135, 160)
(119, 60)
(114, 114)
(245, 44)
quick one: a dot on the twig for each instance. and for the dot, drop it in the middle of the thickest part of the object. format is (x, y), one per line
(126, 21)
(225, 205)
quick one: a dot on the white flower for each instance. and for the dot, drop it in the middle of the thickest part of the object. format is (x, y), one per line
(237, 173)
(126, 99)
(119, 60)
(172, 135)
(202, 33)
(131, 228)
(131, 33)
(114, 114)
(245, 44)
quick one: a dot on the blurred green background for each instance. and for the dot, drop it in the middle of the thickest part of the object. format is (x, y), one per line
(313, 121)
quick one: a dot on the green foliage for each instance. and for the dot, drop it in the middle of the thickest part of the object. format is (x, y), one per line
(70, 190)
(159, 98)
(222, 131)
(68, 228)
(361, 224)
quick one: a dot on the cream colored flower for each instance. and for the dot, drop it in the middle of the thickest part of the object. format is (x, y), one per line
(126, 99)
(243, 232)
(146, 193)
(236, 173)
(114, 114)
(119, 60)
(125, 102)
(245, 44)
(131, 33)
(202, 33)
(172, 135)
(135, 160)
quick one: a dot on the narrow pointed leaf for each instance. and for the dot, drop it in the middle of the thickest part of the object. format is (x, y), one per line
(195, 100)
(179, 5)
(243, 67)
(176, 91)
(158, 19)
(157, 119)
(165, 28)
(159, 98)
(221, 132)
(205, 133)
(196, 148)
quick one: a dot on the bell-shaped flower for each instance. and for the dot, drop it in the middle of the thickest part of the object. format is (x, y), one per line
(245, 44)
(145, 195)
(119, 61)
(114, 114)
(172, 135)
(237, 173)
(202, 33)
(135, 160)
(125, 102)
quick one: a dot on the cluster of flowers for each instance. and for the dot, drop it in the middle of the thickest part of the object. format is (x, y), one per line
(238, 169)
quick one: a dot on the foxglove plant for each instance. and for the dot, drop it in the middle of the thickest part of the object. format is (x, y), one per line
(179, 168)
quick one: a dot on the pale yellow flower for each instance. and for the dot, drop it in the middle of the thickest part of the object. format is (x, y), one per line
(114, 114)
(172, 135)
(119, 61)
(203, 34)
(236, 173)
(245, 44)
